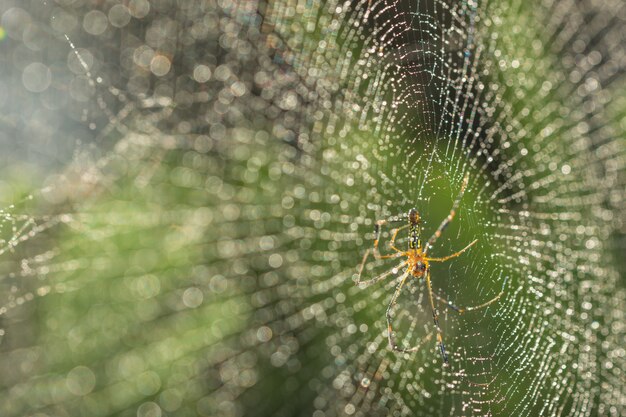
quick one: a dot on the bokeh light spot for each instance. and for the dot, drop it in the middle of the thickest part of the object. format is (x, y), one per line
(149, 409)
(80, 381)
(14, 22)
(139, 8)
(202, 73)
(119, 16)
(95, 22)
(160, 65)
(193, 297)
(36, 77)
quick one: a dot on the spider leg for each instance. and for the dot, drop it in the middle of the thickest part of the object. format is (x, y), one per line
(377, 254)
(379, 277)
(462, 310)
(390, 334)
(448, 219)
(393, 238)
(442, 347)
(448, 303)
(454, 255)
(377, 230)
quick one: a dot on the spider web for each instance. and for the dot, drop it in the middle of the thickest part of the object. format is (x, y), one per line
(212, 172)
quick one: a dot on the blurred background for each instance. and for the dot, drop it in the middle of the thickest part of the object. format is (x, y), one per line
(188, 188)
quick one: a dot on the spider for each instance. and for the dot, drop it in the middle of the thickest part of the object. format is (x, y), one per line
(417, 264)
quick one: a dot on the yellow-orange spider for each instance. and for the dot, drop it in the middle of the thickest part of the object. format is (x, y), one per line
(417, 264)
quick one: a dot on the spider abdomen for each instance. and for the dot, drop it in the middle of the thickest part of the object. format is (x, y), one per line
(419, 268)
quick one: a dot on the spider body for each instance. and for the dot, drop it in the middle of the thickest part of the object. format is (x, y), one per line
(416, 261)
(417, 264)
(414, 230)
